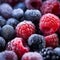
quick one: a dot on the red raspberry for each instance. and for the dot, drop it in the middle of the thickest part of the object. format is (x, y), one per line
(52, 40)
(25, 29)
(51, 6)
(33, 4)
(16, 45)
(49, 23)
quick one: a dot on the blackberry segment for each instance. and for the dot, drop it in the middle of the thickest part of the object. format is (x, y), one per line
(36, 42)
(48, 54)
(2, 21)
(12, 21)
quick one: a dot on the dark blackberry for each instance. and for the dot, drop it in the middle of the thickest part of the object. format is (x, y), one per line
(36, 42)
(17, 13)
(32, 15)
(20, 5)
(13, 22)
(6, 10)
(8, 55)
(2, 44)
(2, 21)
(7, 32)
(48, 54)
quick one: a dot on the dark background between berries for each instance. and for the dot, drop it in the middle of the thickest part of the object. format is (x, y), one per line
(22, 35)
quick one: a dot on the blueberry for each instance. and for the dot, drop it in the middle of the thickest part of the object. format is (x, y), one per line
(7, 32)
(36, 42)
(12, 21)
(32, 15)
(17, 13)
(8, 55)
(0, 29)
(21, 5)
(6, 10)
(2, 44)
(2, 21)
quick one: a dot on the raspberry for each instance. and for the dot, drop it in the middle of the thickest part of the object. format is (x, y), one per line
(52, 40)
(16, 45)
(32, 56)
(49, 23)
(25, 29)
(51, 6)
(33, 4)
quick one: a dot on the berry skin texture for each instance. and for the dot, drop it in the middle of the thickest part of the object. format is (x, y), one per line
(51, 6)
(8, 55)
(7, 32)
(12, 21)
(32, 56)
(17, 46)
(33, 4)
(17, 13)
(36, 42)
(49, 24)
(52, 40)
(2, 44)
(24, 29)
(2, 21)
(6, 10)
(32, 15)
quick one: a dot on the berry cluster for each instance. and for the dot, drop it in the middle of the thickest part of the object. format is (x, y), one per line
(29, 29)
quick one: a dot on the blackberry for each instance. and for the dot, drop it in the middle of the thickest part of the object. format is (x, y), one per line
(7, 32)
(2, 44)
(2, 21)
(36, 42)
(12, 21)
(20, 5)
(48, 54)
(6, 10)
(17, 13)
(32, 15)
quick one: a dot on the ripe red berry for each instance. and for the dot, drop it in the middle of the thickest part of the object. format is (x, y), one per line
(17, 46)
(25, 29)
(33, 4)
(51, 6)
(49, 23)
(52, 40)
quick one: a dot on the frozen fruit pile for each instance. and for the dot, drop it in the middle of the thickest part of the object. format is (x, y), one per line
(29, 29)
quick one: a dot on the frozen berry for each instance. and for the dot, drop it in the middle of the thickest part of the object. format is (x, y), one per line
(20, 5)
(32, 56)
(2, 21)
(17, 46)
(13, 22)
(0, 29)
(8, 55)
(36, 42)
(6, 10)
(52, 40)
(2, 44)
(51, 6)
(32, 15)
(17, 13)
(33, 4)
(24, 29)
(7, 32)
(49, 23)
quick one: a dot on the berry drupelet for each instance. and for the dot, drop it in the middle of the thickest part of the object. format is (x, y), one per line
(36, 42)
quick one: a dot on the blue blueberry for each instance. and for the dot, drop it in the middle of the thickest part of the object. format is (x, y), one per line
(20, 5)
(2, 44)
(32, 15)
(7, 32)
(2, 21)
(17, 13)
(6, 10)
(36, 42)
(0, 30)
(12, 21)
